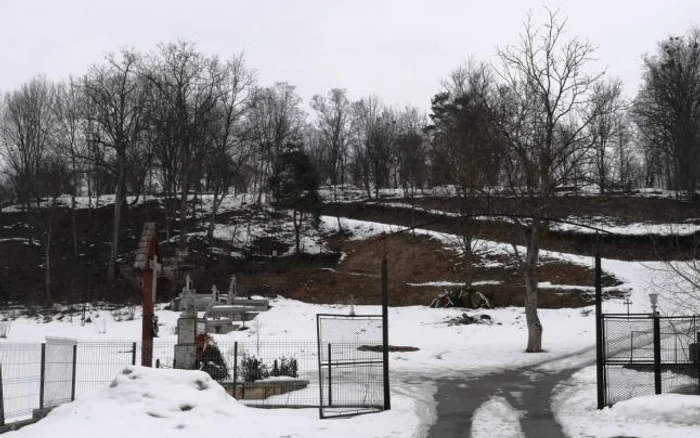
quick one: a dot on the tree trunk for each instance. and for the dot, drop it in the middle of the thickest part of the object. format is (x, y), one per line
(297, 230)
(74, 226)
(182, 244)
(534, 326)
(47, 259)
(214, 211)
(118, 201)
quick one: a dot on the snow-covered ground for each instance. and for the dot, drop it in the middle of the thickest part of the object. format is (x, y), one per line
(496, 417)
(582, 224)
(445, 350)
(652, 416)
(142, 402)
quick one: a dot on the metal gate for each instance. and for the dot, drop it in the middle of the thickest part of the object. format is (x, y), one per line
(645, 355)
(58, 369)
(351, 365)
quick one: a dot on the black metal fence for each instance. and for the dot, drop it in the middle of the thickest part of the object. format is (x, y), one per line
(351, 364)
(259, 373)
(645, 355)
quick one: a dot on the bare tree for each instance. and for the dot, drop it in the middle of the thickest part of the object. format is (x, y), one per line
(335, 122)
(367, 114)
(545, 106)
(188, 88)
(605, 129)
(376, 144)
(28, 129)
(667, 109)
(276, 120)
(71, 142)
(118, 101)
(229, 133)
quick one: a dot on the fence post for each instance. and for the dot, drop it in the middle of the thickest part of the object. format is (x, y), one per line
(599, 339)
(75, 367)
(320, 366)
(330, 380)
(235, 367)
(133, 354)
(696, 359)
(2, 401)
(385, 332)
(657, 354)
(42, 376)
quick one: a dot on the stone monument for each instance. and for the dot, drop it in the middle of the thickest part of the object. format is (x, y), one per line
(189, 326)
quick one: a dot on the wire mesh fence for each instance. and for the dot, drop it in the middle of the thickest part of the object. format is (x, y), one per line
(258, 373)
(644, 355)
(350, 364)
(21, 379)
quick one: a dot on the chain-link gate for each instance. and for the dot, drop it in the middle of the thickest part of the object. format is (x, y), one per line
(350, 364)
(646, 355)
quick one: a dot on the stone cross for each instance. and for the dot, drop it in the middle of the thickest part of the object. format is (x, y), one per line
(188, 285)
(187, 300)
(157, 268)
(628, 303)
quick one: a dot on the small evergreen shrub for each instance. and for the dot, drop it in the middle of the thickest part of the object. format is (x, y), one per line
(252, 369)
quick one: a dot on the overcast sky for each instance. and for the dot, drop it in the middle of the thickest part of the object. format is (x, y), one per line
(399, 50)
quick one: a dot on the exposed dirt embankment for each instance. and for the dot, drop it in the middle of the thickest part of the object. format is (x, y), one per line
(414, 262)
(615, 246)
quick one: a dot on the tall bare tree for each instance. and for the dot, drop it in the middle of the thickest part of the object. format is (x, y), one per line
(188, 87)
(546, 106)
(117, 99)
(335, 122)
(231, 148)
(276, 120)
(605, 129)
(27, 134)
(71, 142)
(667, 109)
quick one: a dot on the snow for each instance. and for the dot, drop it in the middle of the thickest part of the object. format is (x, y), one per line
(444, 351)
(453, 283)
(496, 418)
(668, 415)
(144, 402)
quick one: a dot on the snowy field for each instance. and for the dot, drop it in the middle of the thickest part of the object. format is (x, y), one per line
(444, 351)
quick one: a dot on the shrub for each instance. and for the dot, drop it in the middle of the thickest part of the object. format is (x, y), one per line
(252, 369)
(285, 367)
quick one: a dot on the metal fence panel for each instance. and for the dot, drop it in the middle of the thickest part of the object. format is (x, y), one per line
(58, 371)
(631, 366)
(21, 372)
(350, 364)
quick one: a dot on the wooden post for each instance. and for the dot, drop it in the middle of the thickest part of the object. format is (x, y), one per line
(147, 321)
(148, 261)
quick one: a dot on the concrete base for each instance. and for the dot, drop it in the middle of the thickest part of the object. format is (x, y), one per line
(37, 415)
(263, 389)
(221, 326)
(185, 356)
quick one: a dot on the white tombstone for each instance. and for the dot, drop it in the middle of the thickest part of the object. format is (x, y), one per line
(187, 300)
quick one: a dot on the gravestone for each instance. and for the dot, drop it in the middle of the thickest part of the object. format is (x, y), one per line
(189, 326)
